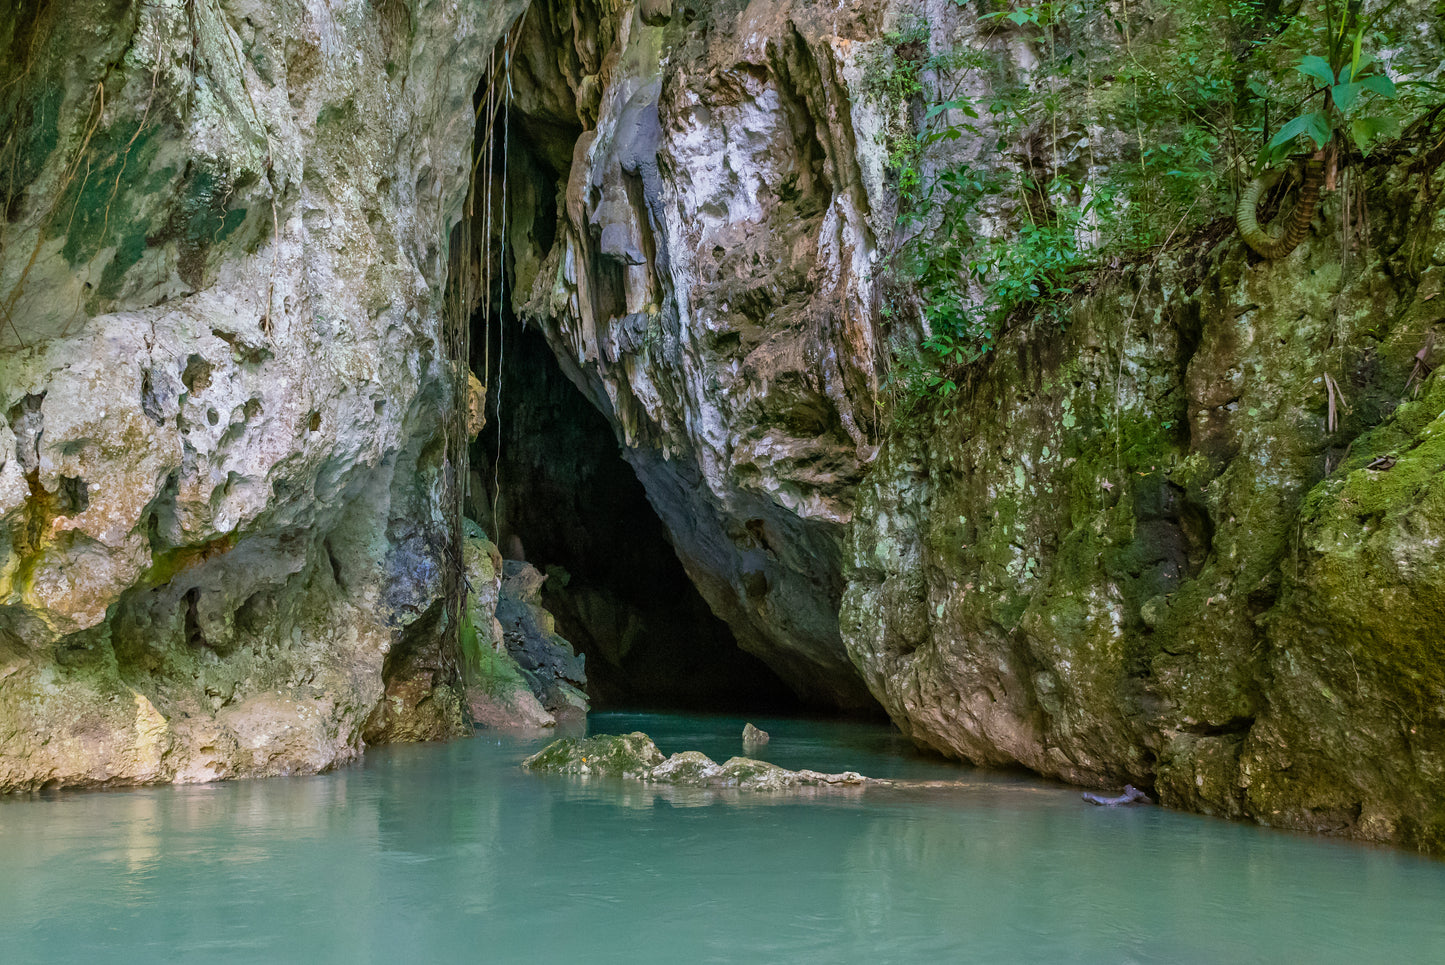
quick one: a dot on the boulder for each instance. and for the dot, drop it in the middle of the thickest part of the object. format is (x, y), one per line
(635, 757)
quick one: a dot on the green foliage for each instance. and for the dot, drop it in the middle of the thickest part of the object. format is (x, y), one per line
(1003, 204)
(1030, 268)
(1347, 81)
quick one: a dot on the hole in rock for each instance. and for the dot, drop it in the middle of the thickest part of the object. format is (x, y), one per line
(195, 636)
(73, 496)
(550, 483)
(567, 502)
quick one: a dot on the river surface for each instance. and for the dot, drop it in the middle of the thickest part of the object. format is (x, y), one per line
(452, 853)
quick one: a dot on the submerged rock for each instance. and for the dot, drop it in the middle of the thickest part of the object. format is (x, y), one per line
(636, 757)
(1131, 795)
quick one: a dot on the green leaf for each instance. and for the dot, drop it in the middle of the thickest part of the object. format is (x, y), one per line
(1021, 17)
(1364, 130)
(1315, 125)
(1317, 68)
(1345, 94)
(1356, 69)
(961, 104)
(1381, 84)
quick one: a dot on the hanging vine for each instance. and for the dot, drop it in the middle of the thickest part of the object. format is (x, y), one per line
(469, 293)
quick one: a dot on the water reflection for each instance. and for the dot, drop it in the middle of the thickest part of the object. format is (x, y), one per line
(453, 852)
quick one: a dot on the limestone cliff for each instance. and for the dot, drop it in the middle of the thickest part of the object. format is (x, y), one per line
(1183, 532)
(704, 273)
(1139, 551)
(1146, 547)
(222, 374)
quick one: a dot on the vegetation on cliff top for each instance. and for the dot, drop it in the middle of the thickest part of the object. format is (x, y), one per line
(1070, 136)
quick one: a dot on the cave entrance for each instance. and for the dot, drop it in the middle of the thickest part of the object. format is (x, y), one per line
(549, 482)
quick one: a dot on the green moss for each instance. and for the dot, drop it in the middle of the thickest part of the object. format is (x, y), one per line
(495, 674)
(121, 200)
(37, 123)
(605, 754)
(98, 207)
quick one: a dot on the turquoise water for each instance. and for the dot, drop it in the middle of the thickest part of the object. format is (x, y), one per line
(451, 853)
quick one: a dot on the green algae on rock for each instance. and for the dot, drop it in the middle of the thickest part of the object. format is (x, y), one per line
(635, 757)
(1154, 547)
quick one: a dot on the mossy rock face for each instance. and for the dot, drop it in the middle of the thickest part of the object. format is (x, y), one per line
(614, 755)
(1357, 663)
(1143, 550)
(636, 757)
(220, 386)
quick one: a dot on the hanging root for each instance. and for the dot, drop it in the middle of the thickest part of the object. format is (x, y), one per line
(1279, 239)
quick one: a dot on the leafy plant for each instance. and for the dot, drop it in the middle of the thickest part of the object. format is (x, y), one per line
(1347, 82)
(1002, 204)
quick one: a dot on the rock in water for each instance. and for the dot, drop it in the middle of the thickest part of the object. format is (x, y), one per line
(754, 735)
(550, 665)
(1131, 795)
(635, 757)
(620, 755)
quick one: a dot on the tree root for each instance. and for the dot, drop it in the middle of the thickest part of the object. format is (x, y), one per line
(1285, 235)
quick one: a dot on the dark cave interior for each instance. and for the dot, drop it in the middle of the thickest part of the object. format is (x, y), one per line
(568, 502)
(549, 481)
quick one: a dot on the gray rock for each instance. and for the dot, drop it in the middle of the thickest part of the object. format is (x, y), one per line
(220, 541)
(635, 757)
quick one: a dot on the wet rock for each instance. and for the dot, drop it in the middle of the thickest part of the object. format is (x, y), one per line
(1140, 553)
(635, 757)
(625, 755)
(1131, 795)
(513, 708)
(753, 735)
(553, 670)
(707, 287)
(498, 693)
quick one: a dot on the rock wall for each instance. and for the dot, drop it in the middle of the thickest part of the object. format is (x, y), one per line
(708, 286)
(221, 374)
(1140, 551)
(1156, 546)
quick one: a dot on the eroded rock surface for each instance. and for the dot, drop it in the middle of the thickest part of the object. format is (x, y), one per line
(552, 668)
(635, 757)
(222, 378)
(1139, 550)
(703, 275)
(1155, 547)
